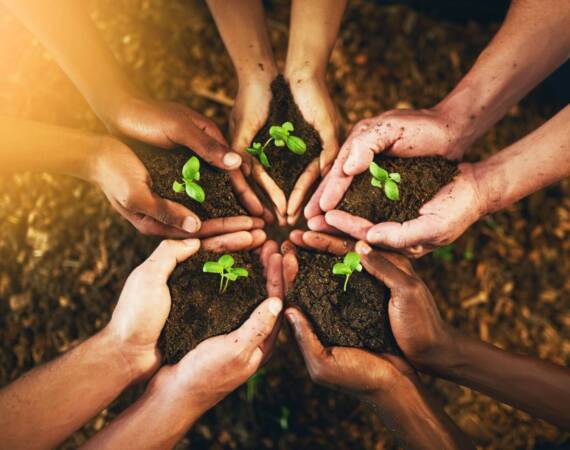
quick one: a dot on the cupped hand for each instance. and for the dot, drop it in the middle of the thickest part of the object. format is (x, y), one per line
(352, 370)
(442, 220)
(249, 114)
(313, 99)
(126, 183)
(404, 133)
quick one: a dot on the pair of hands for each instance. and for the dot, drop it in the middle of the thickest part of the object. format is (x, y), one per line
(425, 339)
(250, 114)
(403, 133)
(126, 182)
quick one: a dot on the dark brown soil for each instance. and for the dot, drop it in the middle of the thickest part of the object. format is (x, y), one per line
(355, 318)
(286, 166)
(165, 166)
(422, 178)
(198, 309)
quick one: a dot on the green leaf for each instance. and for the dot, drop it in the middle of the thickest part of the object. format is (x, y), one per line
(376, 182)
(341, 269)
(232, 276)
(191, 168)
(212, 267)
(352, 259)
(378, 172)
(264, 160)
(177, 187)
(279, 142)
(240, 272)
(396, 177)
(226, 261)
(296, 145)
(288, 126)
(252, 150)
(195, 191)
(391, 190)
(278, 133)
(358, 268)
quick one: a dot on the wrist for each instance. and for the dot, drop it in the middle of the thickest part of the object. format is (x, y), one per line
(102, 149)
(305, 70)
(490, 178)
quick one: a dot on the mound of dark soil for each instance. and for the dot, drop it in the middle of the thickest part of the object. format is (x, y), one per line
(286, 166)
(165, 167)
(355, 318)
(421, 178)
(199, 311)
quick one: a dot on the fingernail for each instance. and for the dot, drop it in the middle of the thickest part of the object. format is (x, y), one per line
(191, 224)
(363, 248)
(231, 160)
(275, 306)
(291, 318)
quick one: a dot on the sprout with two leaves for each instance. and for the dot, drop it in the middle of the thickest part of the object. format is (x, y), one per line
(350, 263)
(224, 267)
(281, 137)
(190, 176)
(389, 181)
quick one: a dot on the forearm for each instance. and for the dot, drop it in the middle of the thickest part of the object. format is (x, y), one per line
(313, 31)
(47, 404)
(242, 25)
(415, 419)
(158, 420)
(33, 146)
(67, 31)
(538, 387)
(532, 42)
(534, 162)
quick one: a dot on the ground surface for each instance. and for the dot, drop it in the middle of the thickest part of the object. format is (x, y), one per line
(64, 253)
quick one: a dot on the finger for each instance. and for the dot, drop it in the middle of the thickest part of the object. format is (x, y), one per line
(258, 327)
(167, 212)
(313, 208)
(302, 186)
(400, 236)
(338, 183)
(268, 216)
(296, 237)
(267, 183)
(355, 226)
(330, 149)
(258, 237)
(209, 127)
(209, 149)
(318, 223)
(326, 243)
(167, 255)
(269, 248)
(311, 348)
(290, 265)
(362, 148)
(245, 193)
(380, 267)
(225, 225)
(275, 276)
(231, 242)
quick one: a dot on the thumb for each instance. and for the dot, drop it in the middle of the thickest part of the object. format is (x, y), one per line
(380, 267)
(173, 214)
(309, 344)
(400, 236)
(363, 146)
(258, 327)
(167, 255)
(210, 150)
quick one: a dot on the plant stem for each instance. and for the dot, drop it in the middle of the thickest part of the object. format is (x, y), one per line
(266, 144)
(346, 282)
(221, 282)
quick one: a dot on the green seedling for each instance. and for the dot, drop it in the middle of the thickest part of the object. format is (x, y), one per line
(280, 136)
(444, 253)
(384, 180)
(350, 263)
(252, 383)
(224, 267)
(284, 418)
(190, 175)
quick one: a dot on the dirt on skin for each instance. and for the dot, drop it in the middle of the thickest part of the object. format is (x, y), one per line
(165, 167)
(286, 166)
(421, 179)
(199, 311)
(355, 318)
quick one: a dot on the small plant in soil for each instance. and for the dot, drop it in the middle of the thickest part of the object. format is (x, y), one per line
(350, 263)
(190, 176)
(280, 136)
(384, 180)
(224, 267)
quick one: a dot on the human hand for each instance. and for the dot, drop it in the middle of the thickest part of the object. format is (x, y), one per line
(313, 99)
(442, 220)
(404, 133)
(126, 183)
